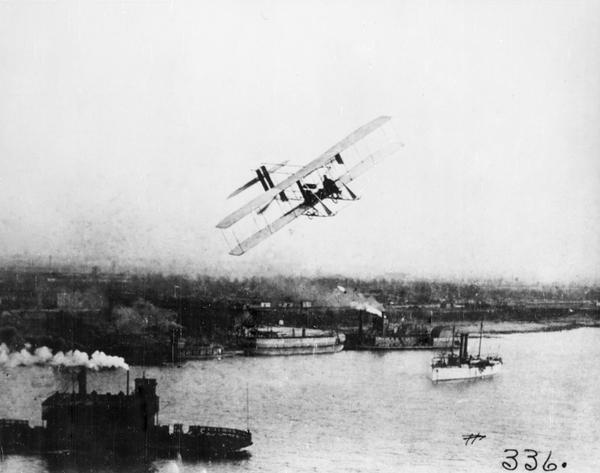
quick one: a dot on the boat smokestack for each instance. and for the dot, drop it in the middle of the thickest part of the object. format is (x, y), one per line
(360, 326)
(82, 381)
(464, 350)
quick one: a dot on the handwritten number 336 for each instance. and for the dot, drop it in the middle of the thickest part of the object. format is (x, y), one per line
(531, 463)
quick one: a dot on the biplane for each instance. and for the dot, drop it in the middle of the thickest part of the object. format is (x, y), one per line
(312, 190)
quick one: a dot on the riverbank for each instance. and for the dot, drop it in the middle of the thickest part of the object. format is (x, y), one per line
(498, 327)
(147, 334)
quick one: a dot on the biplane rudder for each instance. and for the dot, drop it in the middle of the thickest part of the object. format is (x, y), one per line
(263, 175)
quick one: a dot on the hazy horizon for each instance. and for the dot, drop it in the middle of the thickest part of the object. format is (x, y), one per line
(30, 262)
(124, 126)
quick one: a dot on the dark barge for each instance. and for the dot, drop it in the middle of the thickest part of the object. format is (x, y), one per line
(384, 336)
(115, 426)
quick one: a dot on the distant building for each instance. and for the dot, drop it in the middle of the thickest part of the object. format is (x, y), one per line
(265, 305)
(306, 304)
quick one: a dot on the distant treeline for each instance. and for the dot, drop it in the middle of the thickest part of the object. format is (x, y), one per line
(27, 287)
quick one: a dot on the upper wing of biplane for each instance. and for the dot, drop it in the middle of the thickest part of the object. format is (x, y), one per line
(311, 167)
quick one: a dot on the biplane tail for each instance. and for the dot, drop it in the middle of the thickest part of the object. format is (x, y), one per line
(263, 175)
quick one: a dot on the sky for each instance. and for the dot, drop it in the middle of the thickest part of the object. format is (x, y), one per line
(125, 124)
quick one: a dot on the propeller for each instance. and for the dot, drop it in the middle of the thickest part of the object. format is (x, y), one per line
(329, 212)
(352, 194)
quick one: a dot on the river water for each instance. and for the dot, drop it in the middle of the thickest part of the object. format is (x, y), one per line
(366, 412)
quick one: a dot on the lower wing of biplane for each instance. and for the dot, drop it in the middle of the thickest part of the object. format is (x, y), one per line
(311, 190)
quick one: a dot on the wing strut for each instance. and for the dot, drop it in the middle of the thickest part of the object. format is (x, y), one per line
(264, 233)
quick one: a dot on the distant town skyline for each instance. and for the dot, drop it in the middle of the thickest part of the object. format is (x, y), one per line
(123, 128)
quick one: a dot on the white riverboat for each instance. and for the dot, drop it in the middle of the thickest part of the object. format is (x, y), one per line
(291, 341)
(460, 366)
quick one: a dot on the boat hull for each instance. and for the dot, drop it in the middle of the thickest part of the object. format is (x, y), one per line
(292, 346)
(18, 437)
(464, 371)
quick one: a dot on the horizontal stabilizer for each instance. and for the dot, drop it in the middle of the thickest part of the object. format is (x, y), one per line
(257, 179)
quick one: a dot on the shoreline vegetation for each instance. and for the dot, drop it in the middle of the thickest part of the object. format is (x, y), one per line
(499, 327)
(142, 316)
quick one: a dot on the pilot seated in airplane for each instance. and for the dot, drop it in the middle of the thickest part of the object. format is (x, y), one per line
(330, 189)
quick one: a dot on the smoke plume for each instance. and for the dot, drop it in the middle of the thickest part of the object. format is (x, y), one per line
(43, 356)
(339, 296)
(358, 301)
(367, 307)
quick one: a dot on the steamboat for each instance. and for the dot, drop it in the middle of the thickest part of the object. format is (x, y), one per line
(460, 366)
(290, 341)
(384, 336)
(122, 425)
